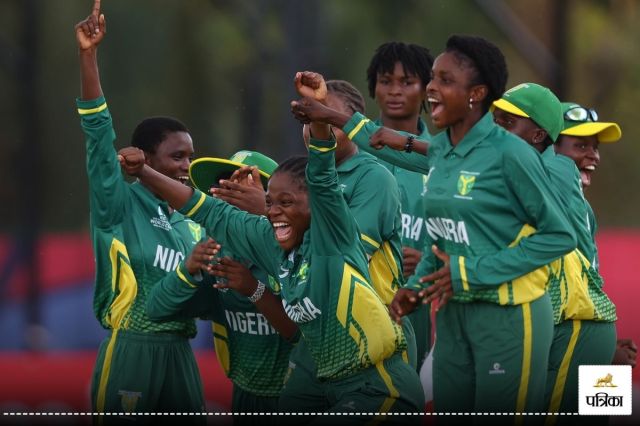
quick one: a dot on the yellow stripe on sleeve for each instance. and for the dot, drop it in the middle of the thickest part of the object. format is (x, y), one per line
(83, 111)
(357, 128)
(183, 278)
(370, 240)
(321, 149)
(198, 205)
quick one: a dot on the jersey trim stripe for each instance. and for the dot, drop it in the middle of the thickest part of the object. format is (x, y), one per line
(220, 339)
(322, 149)
(83, 111)
(463, 274)
(197, 206)
(393, 392)
(123, 280)
(561, 378)
(526, 361)
(183, 278)
(357, 128)
(104, 374)
(370, 240)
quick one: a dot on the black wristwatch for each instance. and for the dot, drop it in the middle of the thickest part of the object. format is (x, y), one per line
(408, 147)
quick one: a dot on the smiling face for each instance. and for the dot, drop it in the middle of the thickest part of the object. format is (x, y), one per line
(288, 210)
(173, 156)
(399, 95)
(450, 89)
(583, 150)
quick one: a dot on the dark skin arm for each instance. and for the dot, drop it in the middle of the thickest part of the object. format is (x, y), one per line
(404, 302)
(239, 278)
(132, 161)
(201, 256)
(410, 259)
(441, 289)
(626, 353)
(312, 86)
(89, 34)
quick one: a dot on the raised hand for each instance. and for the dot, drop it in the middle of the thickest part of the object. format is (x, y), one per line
(131, 160)
(236, 275)
(201, 256)
(626, 353)
(91, 31)
(243, 190)
(404, 302)
(441, 289)
(311, 84)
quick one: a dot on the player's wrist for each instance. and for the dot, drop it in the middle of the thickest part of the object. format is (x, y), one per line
(258, 293)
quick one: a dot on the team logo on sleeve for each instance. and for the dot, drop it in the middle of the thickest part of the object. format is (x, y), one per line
(196, 231)
(466, 180)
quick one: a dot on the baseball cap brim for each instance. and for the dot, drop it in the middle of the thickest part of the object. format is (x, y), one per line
(509, 107)
(204, 172)
(607, 132)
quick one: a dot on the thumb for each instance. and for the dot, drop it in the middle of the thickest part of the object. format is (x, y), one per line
(121, 159)
(440, 254)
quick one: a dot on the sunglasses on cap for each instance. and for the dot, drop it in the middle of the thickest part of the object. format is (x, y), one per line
(579, 113)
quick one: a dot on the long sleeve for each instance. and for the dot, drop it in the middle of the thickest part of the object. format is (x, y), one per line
(107, 186)
(360, 129)
(247, 236)
(333, 228)
(529, 185)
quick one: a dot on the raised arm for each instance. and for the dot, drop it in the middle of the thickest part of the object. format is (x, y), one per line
(89, 34)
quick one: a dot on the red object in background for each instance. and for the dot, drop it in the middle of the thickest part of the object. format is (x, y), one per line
(61, 382)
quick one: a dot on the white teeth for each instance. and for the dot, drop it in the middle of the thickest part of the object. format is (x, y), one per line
(430, 99)
(590, 168)
(279, 224)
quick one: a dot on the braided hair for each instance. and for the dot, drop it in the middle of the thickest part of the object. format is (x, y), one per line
(485, 59)
(295, 166)
(350, 96)
(415, 60)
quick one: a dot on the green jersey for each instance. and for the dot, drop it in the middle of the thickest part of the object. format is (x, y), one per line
(373, 199)
(413, 188)
(324, 282)
(578, 293)
(250, 351)
(137, 240)
(484, 196)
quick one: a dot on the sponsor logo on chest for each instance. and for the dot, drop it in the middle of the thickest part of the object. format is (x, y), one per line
(161, 221)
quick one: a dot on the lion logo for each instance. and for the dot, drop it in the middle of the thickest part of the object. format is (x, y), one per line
(605, 382)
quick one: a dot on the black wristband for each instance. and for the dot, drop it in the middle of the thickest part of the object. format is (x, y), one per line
(408, 147)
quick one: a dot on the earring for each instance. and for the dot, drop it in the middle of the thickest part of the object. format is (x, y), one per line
(470, 103)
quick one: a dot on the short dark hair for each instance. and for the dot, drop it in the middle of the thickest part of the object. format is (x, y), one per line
(351, 96)
(415, 60)
(295, 166)
(486, 59)
(153, 130)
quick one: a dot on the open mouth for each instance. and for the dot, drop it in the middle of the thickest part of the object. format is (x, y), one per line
(585, 174)
(283, 231)
(435, 106)
(183, 180)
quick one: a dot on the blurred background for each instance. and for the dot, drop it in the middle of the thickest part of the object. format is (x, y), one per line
(226, 68)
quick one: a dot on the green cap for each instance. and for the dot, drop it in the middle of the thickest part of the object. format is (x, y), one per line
(607, 132)
(536, 102)
(206, 171)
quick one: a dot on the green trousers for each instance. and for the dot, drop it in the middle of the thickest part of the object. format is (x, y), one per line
(575, 343)
(492, 358)
(243, 401)
(146, 372)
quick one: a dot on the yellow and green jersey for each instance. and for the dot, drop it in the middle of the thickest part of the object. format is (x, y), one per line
(324, 283)
(372, 195)
(489, 206)
(137, 241)
(578, 293)
(250, 351)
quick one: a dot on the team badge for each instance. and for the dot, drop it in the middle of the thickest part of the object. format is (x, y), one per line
(465, 183)
(196, 231)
